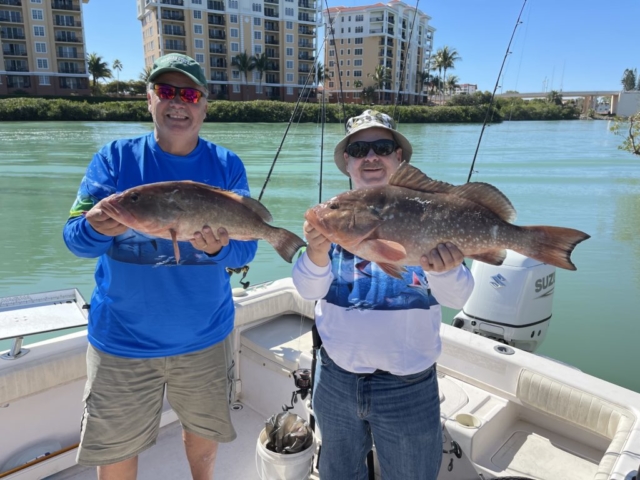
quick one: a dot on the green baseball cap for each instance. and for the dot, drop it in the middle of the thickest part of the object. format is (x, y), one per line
(177, 62)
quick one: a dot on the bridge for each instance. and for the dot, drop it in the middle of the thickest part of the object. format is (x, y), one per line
(590, 97)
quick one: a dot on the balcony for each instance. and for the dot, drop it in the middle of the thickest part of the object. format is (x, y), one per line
(11, 66)
(218, 62)
(11, 17)
(67, 37)
(178, 3)
(219, 76)
(18, 81)
(270, 12)
(273, 66)
(12, 33)
(69, 22)
(306, 4)
(218, 49)
(69, 54)
(14, 50)
(305, 57)
(13, 3)
(173, 30)
(272, 78)
(217, 34)
(272, 1)
(376, 30)
(172, 15)
(216, 20)
(306, 17)
(271, 40)
(271, 27)
(62, 5)
(215, 5)
(376, 19)
(175, 45)
(304, 30)
(305, 44)
(70, 69)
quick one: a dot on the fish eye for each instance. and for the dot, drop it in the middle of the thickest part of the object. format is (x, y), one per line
(134, 197)
(334, 206)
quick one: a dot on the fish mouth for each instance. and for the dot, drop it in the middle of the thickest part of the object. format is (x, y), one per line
(112, 207)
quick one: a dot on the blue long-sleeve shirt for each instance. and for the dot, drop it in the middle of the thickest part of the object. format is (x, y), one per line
(144, 305)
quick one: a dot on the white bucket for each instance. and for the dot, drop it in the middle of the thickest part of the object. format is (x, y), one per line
(282, 466)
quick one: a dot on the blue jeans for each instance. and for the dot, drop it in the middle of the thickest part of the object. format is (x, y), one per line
(400, 413)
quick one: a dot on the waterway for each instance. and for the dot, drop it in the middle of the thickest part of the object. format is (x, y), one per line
(565, 173)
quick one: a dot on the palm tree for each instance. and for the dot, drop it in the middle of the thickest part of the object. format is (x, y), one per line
(445, 59)
(144, 74)
(381, 76)
(117, 66)
(245, 63)
(98, 69)
(261, 63)
(452, 83)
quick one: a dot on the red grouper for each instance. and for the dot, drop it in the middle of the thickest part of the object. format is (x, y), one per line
(394, 225)
(176, 210)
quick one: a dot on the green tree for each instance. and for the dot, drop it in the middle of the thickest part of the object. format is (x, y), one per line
(98, 69)
(554, 97)
(368, 94)
(261, 63)
(452, 83)
(322, 73)
(381, 77)
(445, 59)
(144, 74)
(630, 129)
(629, 79)
(117, 66)
(423, 78)
(245, 63)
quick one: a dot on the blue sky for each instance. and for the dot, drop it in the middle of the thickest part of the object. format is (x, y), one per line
(561, 44)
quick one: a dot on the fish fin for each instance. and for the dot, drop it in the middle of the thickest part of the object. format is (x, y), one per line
(379, 249)
(407, 176)
(489, 197)
(481, 193)
(176, 248)
(285, 242)
(494, 257)
(251, 203)
(392, 269)
(552, 245)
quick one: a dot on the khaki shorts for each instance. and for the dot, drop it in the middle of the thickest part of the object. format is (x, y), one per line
(123, 401)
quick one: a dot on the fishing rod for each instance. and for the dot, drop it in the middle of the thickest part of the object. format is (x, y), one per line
(335, 51)
(493, 94)
(293, 114)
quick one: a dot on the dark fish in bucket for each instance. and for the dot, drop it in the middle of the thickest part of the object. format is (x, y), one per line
(176, 210)
(394, 225)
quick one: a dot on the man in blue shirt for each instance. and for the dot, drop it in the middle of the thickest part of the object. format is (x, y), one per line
(154, 325)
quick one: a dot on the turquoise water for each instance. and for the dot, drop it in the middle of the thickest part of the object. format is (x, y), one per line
(567, 173)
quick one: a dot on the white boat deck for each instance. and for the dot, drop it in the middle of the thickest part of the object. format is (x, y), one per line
(166, 460)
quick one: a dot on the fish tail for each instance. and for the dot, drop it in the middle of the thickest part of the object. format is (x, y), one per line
(285, 242)
(552, 245)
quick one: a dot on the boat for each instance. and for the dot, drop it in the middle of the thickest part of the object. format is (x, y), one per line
(506, 412)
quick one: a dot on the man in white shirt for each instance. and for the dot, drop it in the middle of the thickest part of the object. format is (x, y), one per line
(375, 377)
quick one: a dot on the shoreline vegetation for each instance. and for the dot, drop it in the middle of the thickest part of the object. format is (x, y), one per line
(458, 109)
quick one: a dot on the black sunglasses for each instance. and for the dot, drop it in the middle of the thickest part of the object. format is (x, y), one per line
(380, 147)
(169, 92)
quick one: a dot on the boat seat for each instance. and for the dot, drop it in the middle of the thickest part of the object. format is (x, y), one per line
(43, 369)
(579, 408)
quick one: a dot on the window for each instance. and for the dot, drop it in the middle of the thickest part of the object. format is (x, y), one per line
(357, 73)
(43, 63)
(288, 12)
(236, 88)
(257, 7)
(233, 18)
(358, 41)
(357, 51)
(332, 53)
(235, 74)
(233, 4)
(257, 35)
(359, 29)
(197, 29)
(36, 14)
(359, 18)
(257, 21)
(197, 14)
(44, 80)
(196, 2)
(38, 31)
(259, 89)
(257, 49)
(289, 52)
(348, 84)
(235, 47)
(289, 25)
(332, 63)
(348, 63)
(348, 52)
(200, 57)
(348, 73)
(199, 43)
(341, 53)
(289, 38)
(357, 63)
(289, 63)
(256, 76)
(41, 47)
(331, 84)
(289, 77)
(234, 32)
(36, 1)
(289, 90)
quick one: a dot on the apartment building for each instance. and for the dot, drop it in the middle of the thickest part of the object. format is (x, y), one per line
(395, 36)
(214, 32)
(43, 47)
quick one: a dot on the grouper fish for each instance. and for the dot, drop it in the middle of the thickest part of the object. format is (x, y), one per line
(394, 225)
(176, 210)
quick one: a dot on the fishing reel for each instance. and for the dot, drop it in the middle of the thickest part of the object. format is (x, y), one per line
(302, 381)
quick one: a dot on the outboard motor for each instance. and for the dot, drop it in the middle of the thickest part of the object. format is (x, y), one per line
(510, 303)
